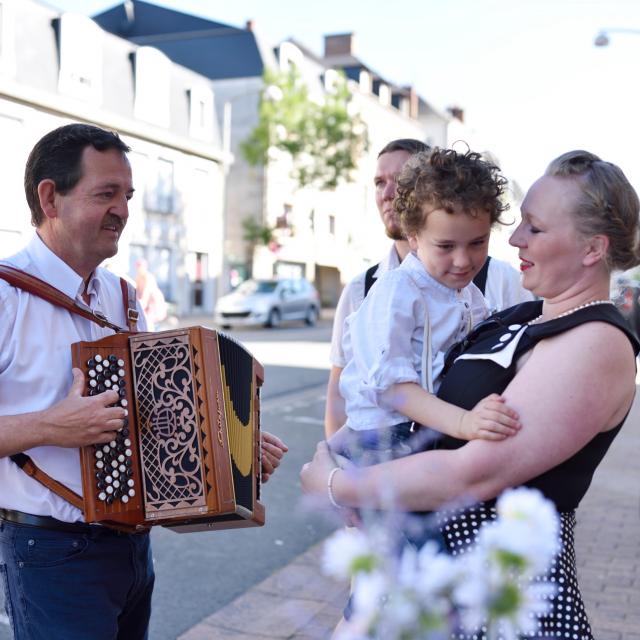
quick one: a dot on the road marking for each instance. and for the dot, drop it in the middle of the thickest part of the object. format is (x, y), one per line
(303, 419)
(4, 619)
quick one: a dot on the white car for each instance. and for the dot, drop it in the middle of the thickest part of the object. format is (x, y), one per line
(268, 303)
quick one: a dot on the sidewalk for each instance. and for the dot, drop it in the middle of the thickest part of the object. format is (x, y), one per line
(300, 602)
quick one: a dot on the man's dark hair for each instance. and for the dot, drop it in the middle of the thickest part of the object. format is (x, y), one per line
(58, 157)
(410, 145)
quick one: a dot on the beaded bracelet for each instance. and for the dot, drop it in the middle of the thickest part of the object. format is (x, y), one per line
(332, 499)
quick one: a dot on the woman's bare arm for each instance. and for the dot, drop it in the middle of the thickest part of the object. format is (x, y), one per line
(572, 387)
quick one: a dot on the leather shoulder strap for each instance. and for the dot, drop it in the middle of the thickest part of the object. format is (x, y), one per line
(27, 282)
(28, 466)
(129, 300)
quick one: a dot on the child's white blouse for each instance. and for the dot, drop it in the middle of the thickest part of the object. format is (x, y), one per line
(383, 339)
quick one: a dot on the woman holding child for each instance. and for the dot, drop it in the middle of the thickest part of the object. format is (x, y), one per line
(565, 364)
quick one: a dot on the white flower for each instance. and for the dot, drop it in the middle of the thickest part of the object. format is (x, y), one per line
(345, 550)
(529, 506)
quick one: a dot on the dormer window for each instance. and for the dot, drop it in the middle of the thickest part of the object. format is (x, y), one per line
(201, 113)
(80, 41)
(153, 86)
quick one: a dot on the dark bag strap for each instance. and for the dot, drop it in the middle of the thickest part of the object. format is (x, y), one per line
(31, 284)
(481, 277)
(369, 278)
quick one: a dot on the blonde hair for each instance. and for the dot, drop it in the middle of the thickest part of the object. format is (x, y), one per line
(608, 204)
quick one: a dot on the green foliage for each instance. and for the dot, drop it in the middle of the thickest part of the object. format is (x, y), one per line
(255, 233)
(324, 140)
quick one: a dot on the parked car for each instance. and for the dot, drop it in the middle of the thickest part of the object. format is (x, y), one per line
(268, 303)
(626, 295)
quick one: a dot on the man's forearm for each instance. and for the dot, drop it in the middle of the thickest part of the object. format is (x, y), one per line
(19, 433)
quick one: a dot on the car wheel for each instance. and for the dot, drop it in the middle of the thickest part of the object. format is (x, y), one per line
(274, 318)
(312, 316)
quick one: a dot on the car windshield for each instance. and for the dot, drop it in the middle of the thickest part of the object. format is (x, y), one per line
(249, 287)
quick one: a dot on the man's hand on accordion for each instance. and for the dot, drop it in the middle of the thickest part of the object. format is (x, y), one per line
(273, 449)
(78, 421)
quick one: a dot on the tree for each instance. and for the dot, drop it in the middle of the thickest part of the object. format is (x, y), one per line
(255, 234)
(324, 140)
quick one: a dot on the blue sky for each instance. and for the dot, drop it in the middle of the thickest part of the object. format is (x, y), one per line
(525, 71)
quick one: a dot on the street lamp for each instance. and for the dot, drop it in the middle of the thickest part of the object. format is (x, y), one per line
(603, 39)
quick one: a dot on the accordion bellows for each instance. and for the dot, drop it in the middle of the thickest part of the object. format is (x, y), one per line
(188, 457)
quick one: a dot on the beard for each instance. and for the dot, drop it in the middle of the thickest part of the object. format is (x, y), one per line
(394, 232)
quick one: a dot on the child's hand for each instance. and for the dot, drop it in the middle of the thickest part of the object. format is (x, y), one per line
(490, 419)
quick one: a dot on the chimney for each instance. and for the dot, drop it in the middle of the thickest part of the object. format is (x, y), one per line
(413, 102)
(250, 25)
(456, 112)
(339, 44)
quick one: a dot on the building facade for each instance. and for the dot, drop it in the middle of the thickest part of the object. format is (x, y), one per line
(327, 236)
(60, 68)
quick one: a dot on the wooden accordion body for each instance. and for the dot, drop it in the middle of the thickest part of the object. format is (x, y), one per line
(188, 457)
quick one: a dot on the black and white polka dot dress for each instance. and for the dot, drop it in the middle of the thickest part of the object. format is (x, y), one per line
(568, 618)
(485, 363)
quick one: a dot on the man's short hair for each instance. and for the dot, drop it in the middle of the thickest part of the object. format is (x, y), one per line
(410, 145)
(58, 156)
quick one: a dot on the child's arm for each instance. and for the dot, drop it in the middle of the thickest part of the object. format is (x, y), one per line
(490, 419)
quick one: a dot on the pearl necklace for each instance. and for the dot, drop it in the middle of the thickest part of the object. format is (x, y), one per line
(593, 303)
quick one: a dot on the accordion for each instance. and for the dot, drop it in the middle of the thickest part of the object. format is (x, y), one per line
(188, 456)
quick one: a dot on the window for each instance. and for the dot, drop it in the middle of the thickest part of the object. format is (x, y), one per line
(201, 113)
(80, 40)
(159, 188)
(332, 225)
(153, 86)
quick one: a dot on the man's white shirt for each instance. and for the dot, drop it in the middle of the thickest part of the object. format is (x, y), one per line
(35, 368)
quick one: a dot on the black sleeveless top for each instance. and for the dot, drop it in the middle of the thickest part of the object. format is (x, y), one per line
(507, 336)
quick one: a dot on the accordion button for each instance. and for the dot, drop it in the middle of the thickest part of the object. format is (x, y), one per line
(125, 431)
(101, 388)
(127, 442)
(121, 373)
(125, 499)
(108, 479)
(97, 357)
(128, 453)
(114, 464)
(122, 392)
(109, 500)
(102, 496)
(116, 483)
(99, 464)
(130, 482)
(107, 383)
(113, 443)
(109, 489)
(113, 358)
(122, 468)
(99, 368)
(99, 454)
(121, 362)
(120, 458)
(91, 363)
(105, 448)
(132, 492)
(93, 384)
(124, 402)
(114, 378)
(92, 373)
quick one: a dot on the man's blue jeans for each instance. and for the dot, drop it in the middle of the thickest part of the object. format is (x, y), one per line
(67, 586)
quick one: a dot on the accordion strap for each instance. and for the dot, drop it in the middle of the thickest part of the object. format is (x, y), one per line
(29, 467)
(44, 290)
(130, 304)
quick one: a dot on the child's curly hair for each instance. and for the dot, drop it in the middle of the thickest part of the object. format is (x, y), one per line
(446, 179)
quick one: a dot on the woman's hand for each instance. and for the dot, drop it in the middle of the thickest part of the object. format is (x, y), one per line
(314, 474)
(490, 419)
(273, 450)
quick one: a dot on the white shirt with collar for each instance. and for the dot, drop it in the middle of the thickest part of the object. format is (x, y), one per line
(35, 368)
(350, 299)
(383, 341)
